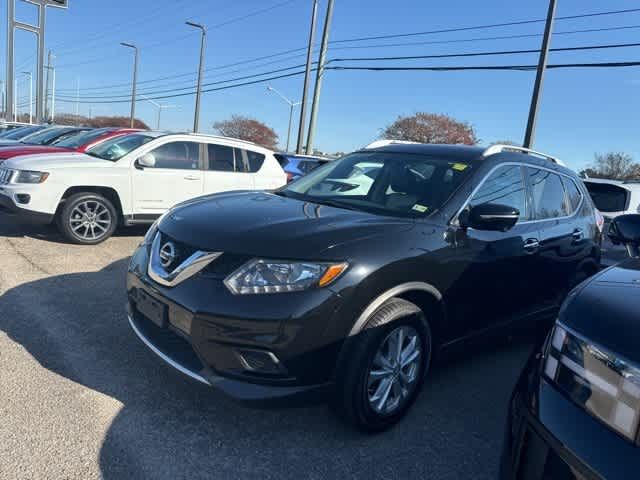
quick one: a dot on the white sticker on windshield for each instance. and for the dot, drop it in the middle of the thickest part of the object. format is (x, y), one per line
(420, 208)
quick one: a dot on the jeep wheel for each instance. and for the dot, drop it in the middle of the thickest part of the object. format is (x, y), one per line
(87, 219)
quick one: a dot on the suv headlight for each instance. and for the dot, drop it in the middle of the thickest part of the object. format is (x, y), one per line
(276, 276)
(605, 385)
(28, 176)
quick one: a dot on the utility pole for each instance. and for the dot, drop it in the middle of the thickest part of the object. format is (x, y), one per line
(53, 97)
(46, 87)
(135, 80)
(307, 74)
(15, 104)
(319, 75)
(203, 44)
(30, 96)
(3, 99)
(292, 105)
(542, 66)
(77, 101)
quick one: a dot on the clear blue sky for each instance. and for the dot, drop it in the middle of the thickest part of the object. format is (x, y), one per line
(583, 111)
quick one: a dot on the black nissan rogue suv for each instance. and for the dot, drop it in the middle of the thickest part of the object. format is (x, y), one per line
(348, 281)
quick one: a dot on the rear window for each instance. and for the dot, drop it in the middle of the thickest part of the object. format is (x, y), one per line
(607, 197)
(254, 161)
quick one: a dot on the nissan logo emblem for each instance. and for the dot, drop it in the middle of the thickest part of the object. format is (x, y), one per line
(167, 254)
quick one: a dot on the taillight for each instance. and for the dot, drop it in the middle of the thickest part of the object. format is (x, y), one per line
(289, 177)
(599, 221)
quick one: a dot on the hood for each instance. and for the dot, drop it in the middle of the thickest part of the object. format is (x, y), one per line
(606, 309)
(267, 225)
(16, 151)
(51, 161)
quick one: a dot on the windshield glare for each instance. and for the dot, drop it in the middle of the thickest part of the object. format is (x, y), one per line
(46, 136)
(396, 184)
(82, 139)
(22, 132)
(118, 147)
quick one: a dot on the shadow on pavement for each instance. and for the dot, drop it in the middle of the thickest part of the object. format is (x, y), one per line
(170, 427)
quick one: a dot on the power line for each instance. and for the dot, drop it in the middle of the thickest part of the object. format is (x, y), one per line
(484, 27)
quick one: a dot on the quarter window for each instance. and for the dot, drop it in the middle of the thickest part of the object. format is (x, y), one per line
(221, 158)
(177, 155)
(548, 194)
(255, 161)
(574, 195)
(505, 186)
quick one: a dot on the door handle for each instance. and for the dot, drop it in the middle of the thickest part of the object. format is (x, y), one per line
(531, 245)
(192, 177)
(578, 234)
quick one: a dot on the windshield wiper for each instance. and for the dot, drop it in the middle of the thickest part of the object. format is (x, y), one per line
(333, 203)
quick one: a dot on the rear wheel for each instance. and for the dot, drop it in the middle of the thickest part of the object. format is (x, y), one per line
(382, 373)
(87, 219)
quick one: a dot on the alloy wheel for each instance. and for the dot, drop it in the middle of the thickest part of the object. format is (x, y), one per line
(393, 374)
(90, 220)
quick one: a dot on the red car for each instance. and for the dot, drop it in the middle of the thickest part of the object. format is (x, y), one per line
(81, 142)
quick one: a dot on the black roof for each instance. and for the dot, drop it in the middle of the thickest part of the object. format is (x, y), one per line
(462, 152)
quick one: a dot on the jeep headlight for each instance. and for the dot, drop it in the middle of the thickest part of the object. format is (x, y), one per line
(605, 385)
(28, 176)
(276, 276)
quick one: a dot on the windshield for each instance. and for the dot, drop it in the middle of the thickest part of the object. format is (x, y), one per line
(82, 139)
(49, 135)
(22, 132)
(396, 184)
(117, 147)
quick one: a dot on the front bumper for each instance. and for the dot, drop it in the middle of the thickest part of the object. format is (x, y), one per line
(549, 437)
(9, 206)
(208, 328)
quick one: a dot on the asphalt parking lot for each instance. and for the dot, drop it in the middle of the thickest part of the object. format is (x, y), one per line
(80, 397)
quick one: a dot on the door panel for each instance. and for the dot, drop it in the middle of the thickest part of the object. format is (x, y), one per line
(225, 170)
(175, 177)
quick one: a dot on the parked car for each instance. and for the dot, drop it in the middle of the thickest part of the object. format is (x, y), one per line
(291, 296)
(79, 142)
(614, 197)
(129, 180)
(296, 166)
(43, 136)
(575, 411)
(14, 136)
(6, 127)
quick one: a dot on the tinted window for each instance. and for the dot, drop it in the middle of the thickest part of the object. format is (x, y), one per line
(574, 196)
(607, 197)
(384, 183)
(548, 194)
(177, 155)
(307, 166)
(221, 158)
(505, 186)
(22, 132)
(254, 161)
(82, 138)
(117, 147)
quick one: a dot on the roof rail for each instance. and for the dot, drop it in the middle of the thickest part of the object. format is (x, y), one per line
(226, 138)
(384, 143)
(493, 149)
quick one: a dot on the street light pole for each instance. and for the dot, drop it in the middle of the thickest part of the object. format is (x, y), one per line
(319, 75)
(135, 80)
(203, 44)
(307, 74)
(159, 106)
(30, 95)
(292, 105)
(542, 66)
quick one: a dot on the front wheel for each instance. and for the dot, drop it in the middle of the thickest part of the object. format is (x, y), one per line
(382, 373)
(87, 219)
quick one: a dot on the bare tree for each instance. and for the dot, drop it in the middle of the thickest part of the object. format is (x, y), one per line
(431, 128)
(98, 122)
(246, 128)
(615, 166)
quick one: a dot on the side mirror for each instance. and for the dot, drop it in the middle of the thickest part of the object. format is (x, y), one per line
(490, 216)
(147, 160)
(625, 230)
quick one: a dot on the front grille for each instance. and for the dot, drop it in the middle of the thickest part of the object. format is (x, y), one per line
(5, 175)
(169, 343)
(183, 251)
(225, 265)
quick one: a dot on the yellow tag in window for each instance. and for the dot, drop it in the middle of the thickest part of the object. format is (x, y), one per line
(420, 208)
(459, 167)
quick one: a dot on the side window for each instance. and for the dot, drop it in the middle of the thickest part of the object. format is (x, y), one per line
(221, 158)
(254, 161)
(504, 186)
(177, 155)
(574, 195)
(548, 194)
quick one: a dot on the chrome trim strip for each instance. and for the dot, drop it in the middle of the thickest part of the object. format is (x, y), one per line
(186, 269)
(377, 303)
(454, 219)
(154, 349)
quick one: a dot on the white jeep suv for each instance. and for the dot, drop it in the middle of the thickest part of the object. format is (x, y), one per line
(129, 180)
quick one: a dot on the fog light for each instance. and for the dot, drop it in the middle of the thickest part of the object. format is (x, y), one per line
(260, 361)
(23, 198)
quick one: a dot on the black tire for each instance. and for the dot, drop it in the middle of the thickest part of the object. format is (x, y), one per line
(351, 399)
(96, 231)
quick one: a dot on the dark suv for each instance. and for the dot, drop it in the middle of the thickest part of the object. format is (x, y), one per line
(350, 280)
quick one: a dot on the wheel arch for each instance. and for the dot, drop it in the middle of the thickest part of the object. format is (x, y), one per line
(108, 192)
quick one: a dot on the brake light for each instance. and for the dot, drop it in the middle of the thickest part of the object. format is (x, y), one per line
(599, 221)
